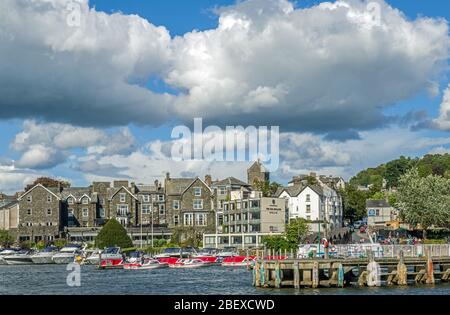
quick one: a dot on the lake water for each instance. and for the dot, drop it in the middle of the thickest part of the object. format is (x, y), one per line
(51, 279)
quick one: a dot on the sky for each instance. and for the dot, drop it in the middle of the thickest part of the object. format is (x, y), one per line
(92, 90)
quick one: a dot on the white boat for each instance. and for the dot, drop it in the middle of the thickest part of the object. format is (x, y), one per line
(45, 256)
(190, 263)
(66, 255)
(6, 252)
(110, 253)
(148, 264)
(170, 252)
(19, 258)
(229, 252)
(207, 252)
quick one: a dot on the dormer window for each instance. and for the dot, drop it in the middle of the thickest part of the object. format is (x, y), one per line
(85, 200)
(197, 191)
(70, 201)
(123, 197)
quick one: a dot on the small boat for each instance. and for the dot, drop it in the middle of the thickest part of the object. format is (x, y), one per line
(109, 253)
(190, 263)
(229, 252)
(6, 252)
(237, 261)
(111, 264)
(66, 255)
(207, 252)
(45, 256)
(170, 252)
(22, 257)
(148, 264)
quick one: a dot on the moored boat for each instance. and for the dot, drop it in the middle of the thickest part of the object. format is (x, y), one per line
(109, 253)
(45, 256)
(190, 263)
(6, 252)
(146, 265)
(22, 257)
(170, 252)
(237, 261)
(66, 255)
(111, 264)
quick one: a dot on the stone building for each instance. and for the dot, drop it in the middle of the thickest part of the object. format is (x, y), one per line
(81, 206)
(40, 215)
(189, 202)
(152, 204)
(9, 215)
(257, 173)
(123, 203)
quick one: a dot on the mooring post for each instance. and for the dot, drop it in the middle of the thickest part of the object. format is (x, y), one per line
(315, 274)
(257, 273)
(340, 282)
(277, 275)
(402, 271)
(430, 269)
(296, 275)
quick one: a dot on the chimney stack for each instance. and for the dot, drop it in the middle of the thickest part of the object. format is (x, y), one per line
(208, 180)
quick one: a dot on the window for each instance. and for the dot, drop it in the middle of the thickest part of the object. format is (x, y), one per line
(176, 205)
(49, 223)
(197, 191)
(238, 217)
(308, 208)
(222, 190)
(200, 219)
(70, 213)
(123, 197)
(146, 198)
(245, 205)
(102, 201)
(49, 198)
(238, 228)
(85, 212)
(70, 201)
(49, 211)
(29, 198)
(146, 209)
(188, 219)
(198, 204)
(102, 213)
(308, 217)
(377, 212)
(28, 224)
(85, 201)
(176, 220)
(29, 212)
(308, 197)
(162, 209)
(122, 210)
(160, 197)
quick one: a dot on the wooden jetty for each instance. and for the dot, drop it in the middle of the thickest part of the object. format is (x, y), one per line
(341, 272)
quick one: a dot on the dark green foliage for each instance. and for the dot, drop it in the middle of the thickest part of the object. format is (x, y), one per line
(268, 189)
(6, 239)
(296, 230)
(113, 234)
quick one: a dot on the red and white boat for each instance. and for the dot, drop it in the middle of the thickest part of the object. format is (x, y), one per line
(111, 264)
(148, 264)
(237, 261)
(190, 263)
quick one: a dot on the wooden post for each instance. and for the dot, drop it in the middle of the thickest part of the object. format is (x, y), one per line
(266, 275)
(296, 275)
(340, 282)
(402, 271)
(315, 275)
(257, 273)
(277, 275)
(430, 269)
(262, 273)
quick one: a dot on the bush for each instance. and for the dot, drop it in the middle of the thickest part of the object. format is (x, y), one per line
(60, 242)
(113, 234)
(6, 239)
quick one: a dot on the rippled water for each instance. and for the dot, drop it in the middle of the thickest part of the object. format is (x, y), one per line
(51, 279)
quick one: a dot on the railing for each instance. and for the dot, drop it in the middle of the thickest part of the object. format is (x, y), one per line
(361, 250)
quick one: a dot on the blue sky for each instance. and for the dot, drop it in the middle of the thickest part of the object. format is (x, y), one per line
(65, 97)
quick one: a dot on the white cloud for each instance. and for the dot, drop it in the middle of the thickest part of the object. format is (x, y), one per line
(325, 68)
(443, 121)
(13, 179)
(44, 146)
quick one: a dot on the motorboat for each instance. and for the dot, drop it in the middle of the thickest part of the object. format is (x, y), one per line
(21, 257)
(237, 261)
(111, 264)
(190, 263)
(169, 252)
(6, 252)
(229, 252)
(45, 256)
(146, 265)
(91, 256)
(187, 252)
(109, 253)
(207, 252)
(135, 257)
(66, 255)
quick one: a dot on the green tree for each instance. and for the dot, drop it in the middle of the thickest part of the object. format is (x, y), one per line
(268, 188)
(424, 200)
(378, 196)
(6, 239)
(113, 234)
(395, 169)
(295, 231)
(354, 202)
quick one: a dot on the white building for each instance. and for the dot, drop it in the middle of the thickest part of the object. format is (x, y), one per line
(314, 203)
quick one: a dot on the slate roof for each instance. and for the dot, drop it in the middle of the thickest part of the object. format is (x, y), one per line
(233, 181)
(9, 204)
(175, 186)
(295, 190)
